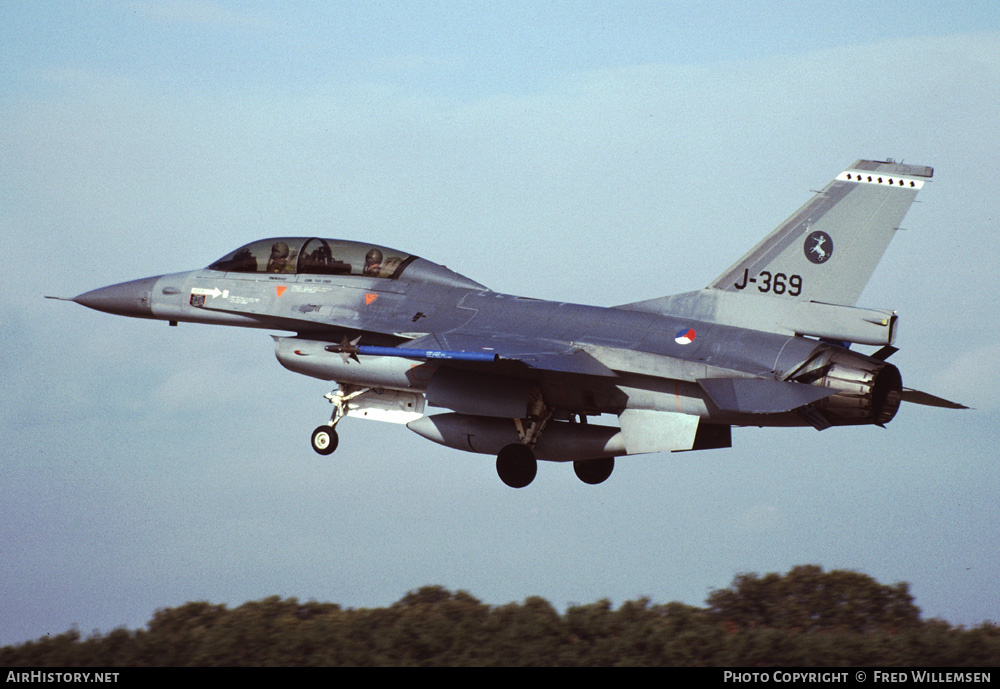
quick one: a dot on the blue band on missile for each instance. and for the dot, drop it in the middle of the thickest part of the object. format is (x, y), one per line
(371, 350)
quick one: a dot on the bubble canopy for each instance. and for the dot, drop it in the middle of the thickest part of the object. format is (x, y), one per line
(318, 256)
(314, 256)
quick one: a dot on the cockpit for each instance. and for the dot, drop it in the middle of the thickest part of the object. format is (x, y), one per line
(315, 256)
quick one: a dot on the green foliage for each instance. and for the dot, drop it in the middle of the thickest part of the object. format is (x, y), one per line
(806, 617)
(807, 599)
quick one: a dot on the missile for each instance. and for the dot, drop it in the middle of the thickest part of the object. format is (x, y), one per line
(351, 349)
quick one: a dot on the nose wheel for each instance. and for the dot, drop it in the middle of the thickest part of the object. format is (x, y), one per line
(324, 440)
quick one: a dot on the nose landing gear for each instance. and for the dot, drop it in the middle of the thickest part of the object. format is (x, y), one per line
(324, 439)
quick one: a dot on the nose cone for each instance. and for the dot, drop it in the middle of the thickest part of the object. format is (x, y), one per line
(133, 298)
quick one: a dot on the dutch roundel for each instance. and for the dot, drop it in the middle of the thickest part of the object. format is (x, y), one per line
(685, 336)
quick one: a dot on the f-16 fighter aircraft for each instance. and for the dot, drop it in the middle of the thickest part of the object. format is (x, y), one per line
(768, 343)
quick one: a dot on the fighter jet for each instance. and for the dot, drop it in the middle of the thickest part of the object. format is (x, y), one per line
(767, 343)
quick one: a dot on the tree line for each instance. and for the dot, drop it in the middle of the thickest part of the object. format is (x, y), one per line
(805, 617)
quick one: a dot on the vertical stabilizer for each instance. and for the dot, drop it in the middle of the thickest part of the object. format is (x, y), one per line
(828, 249)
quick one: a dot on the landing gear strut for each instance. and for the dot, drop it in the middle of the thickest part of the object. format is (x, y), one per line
(516, 463)
(324, 438)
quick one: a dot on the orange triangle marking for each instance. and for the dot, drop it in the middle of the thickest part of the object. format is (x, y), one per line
(369, 298)
(280, 289)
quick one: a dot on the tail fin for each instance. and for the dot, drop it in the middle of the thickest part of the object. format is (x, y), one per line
(828, 249)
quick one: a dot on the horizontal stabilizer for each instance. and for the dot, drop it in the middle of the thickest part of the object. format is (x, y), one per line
(917, 397)
(761, 396)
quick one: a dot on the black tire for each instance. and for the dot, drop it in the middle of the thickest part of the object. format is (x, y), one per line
(516, 465)
(324, 440)
(594, 471)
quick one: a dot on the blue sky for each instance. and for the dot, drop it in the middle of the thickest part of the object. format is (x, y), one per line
(640, 147)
